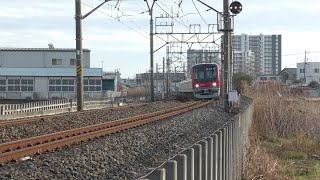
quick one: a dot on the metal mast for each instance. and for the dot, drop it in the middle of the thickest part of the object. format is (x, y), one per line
(226, 51)
(151, 49)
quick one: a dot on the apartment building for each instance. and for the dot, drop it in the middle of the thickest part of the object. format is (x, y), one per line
(266, 50)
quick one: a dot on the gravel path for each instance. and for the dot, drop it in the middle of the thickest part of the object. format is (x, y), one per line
(75, 120)
(121, 156)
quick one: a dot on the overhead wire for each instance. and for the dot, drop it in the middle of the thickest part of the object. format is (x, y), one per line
(182, 23)
(199, 12)
(117, 20)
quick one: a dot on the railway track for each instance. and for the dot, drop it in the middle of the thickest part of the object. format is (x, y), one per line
(15, 150)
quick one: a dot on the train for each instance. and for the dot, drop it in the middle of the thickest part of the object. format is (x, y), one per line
(204, 82)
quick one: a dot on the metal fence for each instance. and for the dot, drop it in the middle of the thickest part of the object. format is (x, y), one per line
(32, 109)
(219, 156)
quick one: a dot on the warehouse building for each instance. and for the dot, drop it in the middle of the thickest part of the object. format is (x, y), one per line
(46, 73)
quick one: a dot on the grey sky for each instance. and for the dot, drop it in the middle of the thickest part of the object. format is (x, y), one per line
(124, 43)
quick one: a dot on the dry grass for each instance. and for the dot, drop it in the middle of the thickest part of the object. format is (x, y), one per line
(259, 164)
(284, 140)
(137, 91)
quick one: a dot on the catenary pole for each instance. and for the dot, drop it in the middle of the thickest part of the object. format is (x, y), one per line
(151, 49)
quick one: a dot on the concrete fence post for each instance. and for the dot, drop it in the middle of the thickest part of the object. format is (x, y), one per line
(215, 156)
(219, 153)
(204, 159)
(226, 148)
(181, 166)
(210, 158)
(158, 174)
(190, 163)
(197, 161)
(171, 170)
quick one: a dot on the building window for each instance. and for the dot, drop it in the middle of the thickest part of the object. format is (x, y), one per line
(17, 85)
(92, 85)
(301, 70)
(56, 61)
(3, 85)
(316, 70)
(64, 85)
(72, 62)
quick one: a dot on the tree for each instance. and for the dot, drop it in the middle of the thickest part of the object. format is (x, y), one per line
(314, 84)
(239, 77)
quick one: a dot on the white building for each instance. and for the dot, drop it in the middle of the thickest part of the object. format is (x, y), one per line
(41, 58)
(307, 72)
(266, 49)
(244, 62)
(45, 73)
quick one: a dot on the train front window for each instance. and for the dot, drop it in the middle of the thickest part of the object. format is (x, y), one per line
(211, 74)
(204, 73)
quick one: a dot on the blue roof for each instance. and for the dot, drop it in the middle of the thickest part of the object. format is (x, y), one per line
(52, 72)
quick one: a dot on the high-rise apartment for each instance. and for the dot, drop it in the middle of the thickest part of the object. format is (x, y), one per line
(244, 61)
(266, 50)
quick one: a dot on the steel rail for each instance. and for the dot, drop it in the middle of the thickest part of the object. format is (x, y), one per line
(14, 145)
(53, 136)
(39, 144)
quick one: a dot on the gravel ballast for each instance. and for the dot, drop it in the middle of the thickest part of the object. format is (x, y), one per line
(125, 155)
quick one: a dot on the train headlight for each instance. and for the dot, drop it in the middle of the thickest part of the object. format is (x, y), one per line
(197, 85)
(214, 84)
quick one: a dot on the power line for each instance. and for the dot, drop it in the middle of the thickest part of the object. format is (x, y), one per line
(119, 21)
(301, 53)
(199, 12)
(172, 16)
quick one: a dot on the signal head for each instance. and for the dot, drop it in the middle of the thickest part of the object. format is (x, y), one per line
(235, 7)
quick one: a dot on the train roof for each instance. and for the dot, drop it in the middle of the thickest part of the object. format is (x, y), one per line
(205, 64)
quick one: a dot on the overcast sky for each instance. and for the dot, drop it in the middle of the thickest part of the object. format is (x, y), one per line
(118, 37)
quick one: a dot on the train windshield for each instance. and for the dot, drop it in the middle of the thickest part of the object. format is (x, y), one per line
(204, 73)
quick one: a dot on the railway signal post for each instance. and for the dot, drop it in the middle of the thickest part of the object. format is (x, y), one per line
(235, 7)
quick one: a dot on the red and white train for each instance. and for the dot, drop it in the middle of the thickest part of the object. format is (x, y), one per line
(204, 82)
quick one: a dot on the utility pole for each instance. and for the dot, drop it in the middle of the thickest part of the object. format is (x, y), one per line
(226, 51)
(79, 51)
(168, 69)
(304, 67)
(151, 48)
(157, 76)
(164, 77)
(175, 80)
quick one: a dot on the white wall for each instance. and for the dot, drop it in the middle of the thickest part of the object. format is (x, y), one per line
(39, 59)
(310, 73)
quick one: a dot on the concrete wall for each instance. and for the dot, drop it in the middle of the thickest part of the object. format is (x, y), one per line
(218, 156)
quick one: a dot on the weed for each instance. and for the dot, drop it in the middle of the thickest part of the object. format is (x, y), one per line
(284, 138)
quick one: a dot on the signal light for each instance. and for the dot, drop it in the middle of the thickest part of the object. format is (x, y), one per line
(235, 7)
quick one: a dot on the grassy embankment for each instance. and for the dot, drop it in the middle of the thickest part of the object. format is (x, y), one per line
(285, 137)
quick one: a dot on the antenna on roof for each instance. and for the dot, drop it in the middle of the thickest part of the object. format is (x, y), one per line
(50, 46)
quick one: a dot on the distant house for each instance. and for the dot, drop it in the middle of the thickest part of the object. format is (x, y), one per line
(262, 79)
(308, 71)
(288, 75)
